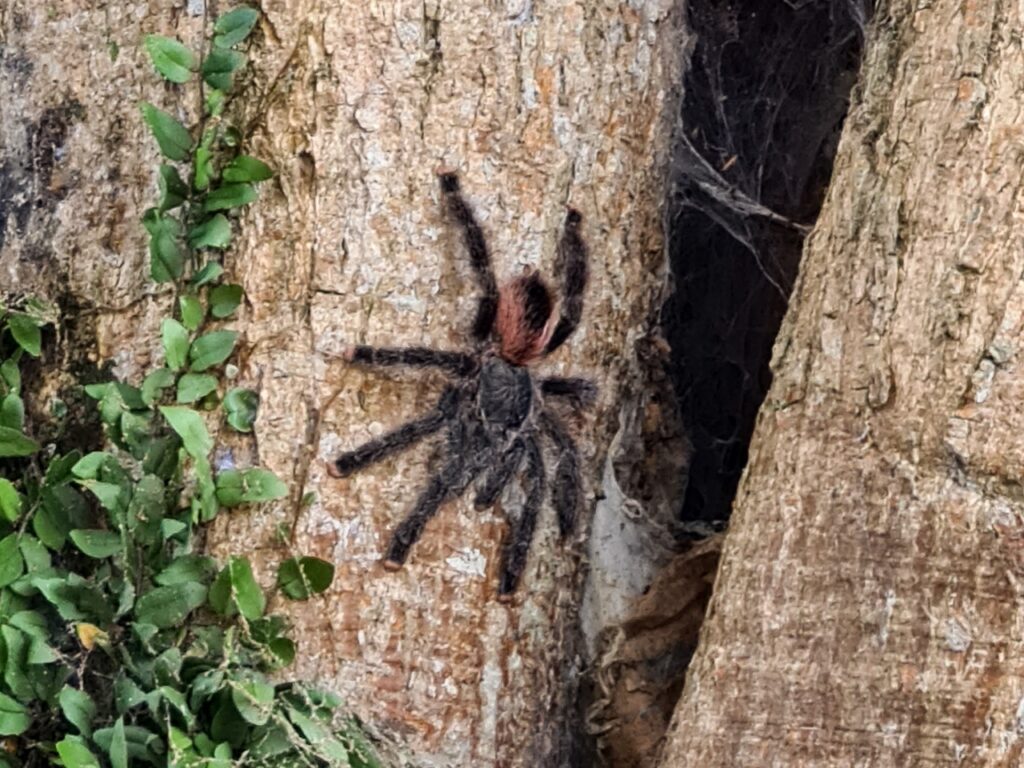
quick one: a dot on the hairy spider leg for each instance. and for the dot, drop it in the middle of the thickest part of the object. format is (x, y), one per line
(479, 256)
(517, 545)
(450, 481)
(566, 486)
(398, 439)
(580, 392)
(572, 262)
(496, 480)
(456, 363)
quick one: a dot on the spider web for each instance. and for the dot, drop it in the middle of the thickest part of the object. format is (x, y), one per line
(766, 93)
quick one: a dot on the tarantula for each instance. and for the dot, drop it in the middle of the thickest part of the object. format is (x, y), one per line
(494, 410)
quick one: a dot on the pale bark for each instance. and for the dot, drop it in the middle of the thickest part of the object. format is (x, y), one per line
(868, 608)
(538, 104)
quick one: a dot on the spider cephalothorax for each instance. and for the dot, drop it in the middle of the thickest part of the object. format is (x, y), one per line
(494, 411)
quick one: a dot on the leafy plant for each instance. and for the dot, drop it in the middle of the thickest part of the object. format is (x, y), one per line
(121, 644)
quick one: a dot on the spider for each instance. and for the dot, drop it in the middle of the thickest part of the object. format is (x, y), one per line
(494, 410)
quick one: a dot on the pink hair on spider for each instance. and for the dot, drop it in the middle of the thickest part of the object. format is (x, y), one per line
(524, 321)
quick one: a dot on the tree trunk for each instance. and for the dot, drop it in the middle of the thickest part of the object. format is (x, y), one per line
(539, 104)
(867, 609)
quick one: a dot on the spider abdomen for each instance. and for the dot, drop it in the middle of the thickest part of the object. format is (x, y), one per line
(505, 394)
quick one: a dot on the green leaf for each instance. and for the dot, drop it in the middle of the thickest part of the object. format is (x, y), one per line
(155, 383)
(11, 563)
(41, 311)
(361, 751)
(214, 102)
(166, 261)
(14, 443)
(195, 386)
(172, 137)
(300, 577)
(88, 467)
(235, 588)
(10, 376)
(218, 66)
(12, 412)
(167, 666)
(233, 27)
(59, 468)
(171, 528)
(96, 543)
(235, 487)
(110, 495)
(74, 598)
(241, 406)
(168, 606)
(204, 503)
(50, 527)
(224, 300)
(35, 554)
(230, 196)
(247, 168)
(172, 59)
(190, 428)
(141, 745)
(175, 338)
(79, 709)
(118, 750)
(254, 700)
(173, 191)
(32, 623)
(212, 233)
(40, 653)
(227, 725)
(211, 349)
(203, 164)
(187, 568)
(98, 391)
(15, 669)
(177, 700)
(220, 593)
(248, 595)
(210, 271)
(319, 736)
(130, 396)
(25, 331)
(10, 501)
(192, 311)
(273, 741)
(14, 718)
(146, 510)
(126, 693)
(74, 754)
(284, 649)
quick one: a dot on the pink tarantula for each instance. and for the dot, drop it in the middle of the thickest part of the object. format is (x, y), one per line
(494, 410)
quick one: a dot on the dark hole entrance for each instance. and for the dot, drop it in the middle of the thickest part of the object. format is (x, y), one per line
(765, 97)
(766, 92)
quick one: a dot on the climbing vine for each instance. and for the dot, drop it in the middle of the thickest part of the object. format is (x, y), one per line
(121, 644)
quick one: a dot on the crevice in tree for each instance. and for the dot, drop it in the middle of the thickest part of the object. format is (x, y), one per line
(766, 94)
(766, 91)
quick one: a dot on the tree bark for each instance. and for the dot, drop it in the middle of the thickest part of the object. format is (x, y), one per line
(539, 104)
(867, 610)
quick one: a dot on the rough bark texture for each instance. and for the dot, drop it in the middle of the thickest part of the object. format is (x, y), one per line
(538, 104)
(868, 606)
